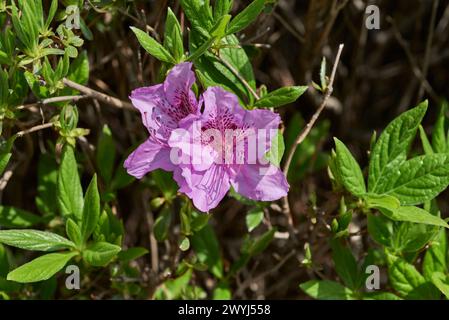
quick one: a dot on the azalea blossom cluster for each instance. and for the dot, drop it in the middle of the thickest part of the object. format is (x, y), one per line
(210, 143)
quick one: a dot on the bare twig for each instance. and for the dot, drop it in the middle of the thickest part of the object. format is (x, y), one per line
(34, 129)
(51, 100)
(98, 95)
(415, 68)
(289, 27)
(264, 274)
(305, 132)
(334, 12)
(239, 76)
(6, 177)
(425, 67)
(153, 243)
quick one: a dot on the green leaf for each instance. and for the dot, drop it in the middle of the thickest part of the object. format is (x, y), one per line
(212, 72)
(349, 169)
(439, 141)
(39, 91)
(185, 215)
(153, 47)
(199, 221)
(441, 281)
(4, 159)
(11, 217)
(280, 97)
(425, 141)
(400, 236)
(69, 192)
(201, 49)
(222, 292)
(105, 154)
(380, 296)
(381, 201)
(41, 268)
(4, 86)
(323, 80)
(199, 14)
(412, 237)
(165, 183)
(246, 16)
(173, 36)
(380, 229)
(73, 232)
(51, 13)
(206, 246)
(79, 69)
(259, 244)
(435, 259)
(34, 240)
(405, 279)
(389, 206)
(392, 146)
(132, 254)
(100, 254)
(162, 224)
(219, 29)
(173, 288)
(87, 33)
(345, 264)
(4, 263)
(54, 51)
(47, 173)
(253, 218)
(184, 244)
(109, 228)
(413, 214)
(417, 180)
(221, 8)
(5, 145)
(326, 290)
(277, 149)
(91, 210)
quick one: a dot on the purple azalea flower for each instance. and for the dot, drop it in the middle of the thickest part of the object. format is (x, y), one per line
(207, 181)
(162, 107)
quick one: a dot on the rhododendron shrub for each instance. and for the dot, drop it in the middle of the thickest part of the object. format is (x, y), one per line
(184, 149)
(171, 106)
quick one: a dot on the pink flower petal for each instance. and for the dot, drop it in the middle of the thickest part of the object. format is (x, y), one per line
(147, 157)
(260, 183)
(207, 188)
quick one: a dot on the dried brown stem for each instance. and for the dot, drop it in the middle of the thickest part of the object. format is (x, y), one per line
(51, 100)
(305, 132)
(425, 67)
(239, 76)
(98, 95)
(415, 68)
(34, 129)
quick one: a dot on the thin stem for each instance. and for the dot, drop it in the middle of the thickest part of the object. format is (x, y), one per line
(237, 74)
(264, 274)
(98, 95)
(33, 129)
(415, 68)
(305, 132)
(51, 100)
(289, 28)
(425, 67)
